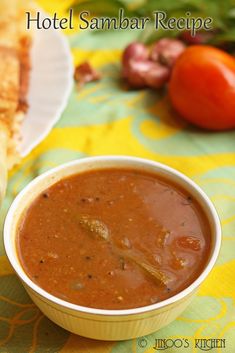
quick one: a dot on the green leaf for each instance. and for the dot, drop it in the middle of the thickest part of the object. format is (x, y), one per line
(101, 8)
(150, 35)
(225, 37)
(221, 11)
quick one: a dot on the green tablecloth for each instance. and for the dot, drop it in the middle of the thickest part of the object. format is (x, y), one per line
(106, 118)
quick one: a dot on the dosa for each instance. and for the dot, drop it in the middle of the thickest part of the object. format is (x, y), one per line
(15, 43)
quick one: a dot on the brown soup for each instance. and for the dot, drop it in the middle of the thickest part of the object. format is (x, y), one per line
(114, 239)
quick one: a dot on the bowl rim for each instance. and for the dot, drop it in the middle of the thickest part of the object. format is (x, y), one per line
(8, 241)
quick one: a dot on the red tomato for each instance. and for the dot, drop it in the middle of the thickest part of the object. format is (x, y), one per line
(202, 87)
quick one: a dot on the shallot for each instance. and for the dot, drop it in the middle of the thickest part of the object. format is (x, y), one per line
(143, 68)
(167, 51)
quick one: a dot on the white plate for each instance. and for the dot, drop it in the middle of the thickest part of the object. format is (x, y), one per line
(50, 85)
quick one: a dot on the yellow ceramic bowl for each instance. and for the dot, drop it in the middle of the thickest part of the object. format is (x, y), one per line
(99, 323)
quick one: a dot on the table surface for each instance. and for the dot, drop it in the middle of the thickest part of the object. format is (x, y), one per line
(106, 118)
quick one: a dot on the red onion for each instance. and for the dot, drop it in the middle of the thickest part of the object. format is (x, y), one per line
(167, 50)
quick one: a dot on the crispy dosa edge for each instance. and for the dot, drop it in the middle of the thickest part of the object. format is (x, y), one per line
(15, 45)
(13, 38)
(4, 138)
